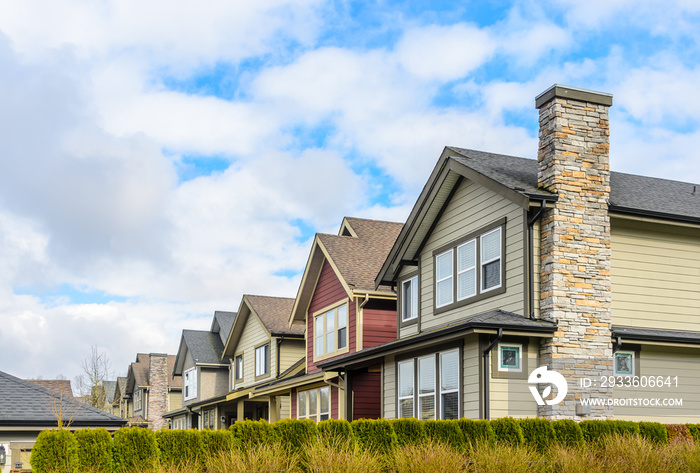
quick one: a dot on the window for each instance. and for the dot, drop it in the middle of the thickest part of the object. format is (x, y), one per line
(331, 331)
(262, 360)
(470, 268)
(314, 404)
(138, 400)
(209, 419)
(238, 367)
(624, 363)
(510, 357)
(438, 379)
(190, 384)
(409, 299)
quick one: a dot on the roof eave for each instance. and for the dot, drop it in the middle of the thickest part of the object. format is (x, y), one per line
(652, 214)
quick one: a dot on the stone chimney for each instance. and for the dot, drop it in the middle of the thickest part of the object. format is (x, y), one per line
(158, 391)
(573, 163)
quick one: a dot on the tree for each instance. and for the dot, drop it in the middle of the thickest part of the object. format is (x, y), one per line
(91, 384)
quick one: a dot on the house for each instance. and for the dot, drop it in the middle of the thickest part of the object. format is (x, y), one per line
(205, 374)
(120, 403)
(27, 408)
(151, 390)
(343, 313)
(506, 265)
(263, 348)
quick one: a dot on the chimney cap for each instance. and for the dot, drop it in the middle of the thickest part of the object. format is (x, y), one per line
(574, 93)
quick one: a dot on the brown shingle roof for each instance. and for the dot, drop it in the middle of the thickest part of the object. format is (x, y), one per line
(59, 386)
(141, 369)
(274, 313)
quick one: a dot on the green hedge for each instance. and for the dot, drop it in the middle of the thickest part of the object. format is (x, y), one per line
(653, 431)
(94, 450)
(507, 431)
(179, 448)
(55, 451)
(251, 433)
(375, 435)
(410, 431)
(334, 429)
(215, 442)
(597, 430)
(568, 432)
(135, 449)
(538, 433)
(294, 434)
(694, 430)
(477, 431)
(445, 431)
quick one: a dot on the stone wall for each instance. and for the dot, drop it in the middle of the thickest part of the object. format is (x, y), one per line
(158, 391)
(575, 240)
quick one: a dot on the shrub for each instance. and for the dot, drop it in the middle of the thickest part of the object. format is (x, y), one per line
(568, 432)
(55, 451)
(477, 431)
(654, 432)
(215, 441)
(694, 430)
(409, 431)
(94, 450)
(135, 449)
(251, 433)
(625, 427)
(335, 429)
(179, 447)
(507, 431)
(678, 433)
(375, 435)
(294, 434)
(538, 433)
(445, 431)
(595, 430)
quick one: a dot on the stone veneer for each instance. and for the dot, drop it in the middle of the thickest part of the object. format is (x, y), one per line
(158, 391)
(573, 163)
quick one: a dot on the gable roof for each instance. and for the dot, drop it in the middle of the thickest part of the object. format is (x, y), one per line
(110, 388)
(222, 324)
(120, 390)
(59, 386)
(139, 373)
(23, 403)
(203, 346)
(356, 255)
(515, 178)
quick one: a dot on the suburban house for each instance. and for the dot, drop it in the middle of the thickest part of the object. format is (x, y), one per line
(507, 264)
(342, 313)
(120, 404)
(151, 390)
(26, 409)
(205, 375)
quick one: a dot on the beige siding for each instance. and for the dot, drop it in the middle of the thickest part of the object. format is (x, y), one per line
(655, 272)
(254, 335)
(411, 329)
(470, 377)
(285, 403)
(389, 388)
(512, 397)
(174, 400)
(213, 382)
(664, 362)
(472, 208)
(291, 351)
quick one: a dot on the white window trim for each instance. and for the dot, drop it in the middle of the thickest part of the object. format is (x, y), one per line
(138, 398)
(632, 362)
(238, 370)
(437, 389)
(262, 349)
(499, 258)
(450, 277)
(325, 333)
(459, 273)
(501, 346)
(192, 374)
(319, 413)
(413, 385)
(409, 300)
(433, 393)
(449, 391)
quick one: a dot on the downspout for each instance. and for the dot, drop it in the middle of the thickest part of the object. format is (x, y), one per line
(618, 344)
(279, 342)
(486, 352)
(531, 265)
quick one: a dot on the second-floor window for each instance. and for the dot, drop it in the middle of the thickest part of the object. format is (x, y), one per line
(409, 299)
(262, 360)
(238, 367)
(138, 399)
(331, 331)
(189, 384)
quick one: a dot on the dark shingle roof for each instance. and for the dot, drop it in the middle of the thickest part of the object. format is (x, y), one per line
(204, 346)
(141, 370)
(657, 335)
(110, 390)
(628, 192)
(225, 321)
(59, 386)
(274, 313)
(23, 403)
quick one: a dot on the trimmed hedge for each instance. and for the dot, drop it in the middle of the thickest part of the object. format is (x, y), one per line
(654, 432)
(694, 430)
(294, 434)
(94, 450)
(508, 431)
(409, 431)
(596, 430)
(135, 449)
(375, 435)
(568, 432)
(214, 442)
(55, 451)
(179, 448)
(538, 433)
(251, 433)
(477, 431)
(334, 429)
(445, 431)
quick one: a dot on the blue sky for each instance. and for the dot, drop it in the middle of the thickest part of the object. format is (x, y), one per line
(158, 163)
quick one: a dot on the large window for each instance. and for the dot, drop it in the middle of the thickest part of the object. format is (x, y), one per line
(438, 379)
(331, 331)
(238, 367)
(470, 269)
(262, 360)
(314, 404)
(409, 299)
(190, 384)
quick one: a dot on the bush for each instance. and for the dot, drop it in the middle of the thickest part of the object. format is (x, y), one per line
(55, 451)
(507, 431)
(375, 435)
(445, 431)
(335, 430)
(215, 442)
(694, 430)
(568, 432)
(294, 434)
(477, 432)
(538, 433)
(625, 427)
(135, 449)
(178, 448)
(409, 431)
(654, 432)
(595, 430)
(678, 433)
(94, 450)
(251, 433)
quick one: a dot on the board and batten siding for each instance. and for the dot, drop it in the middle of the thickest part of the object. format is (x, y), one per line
(254, 334)
(472, 208)
(366, 395)
(655, 275)
(512, 397)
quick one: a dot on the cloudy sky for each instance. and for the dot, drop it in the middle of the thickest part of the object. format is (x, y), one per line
(159, 159)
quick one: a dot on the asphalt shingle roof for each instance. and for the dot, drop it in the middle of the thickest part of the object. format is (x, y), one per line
(25, 403)
(225, 321)
(274, 313)
(141, 369)
(204, 346)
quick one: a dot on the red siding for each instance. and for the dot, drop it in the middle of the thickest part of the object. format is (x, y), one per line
(294, 403)
(379, 321)
(334, 402)
(328, 291)
(366, 393)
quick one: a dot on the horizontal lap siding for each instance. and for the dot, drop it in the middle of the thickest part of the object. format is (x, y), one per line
(379, 323)
(389, 387)
(253, 335)
(512, 397)
(655, 275)
(366, 396)
(470, 377)
(328, 291)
